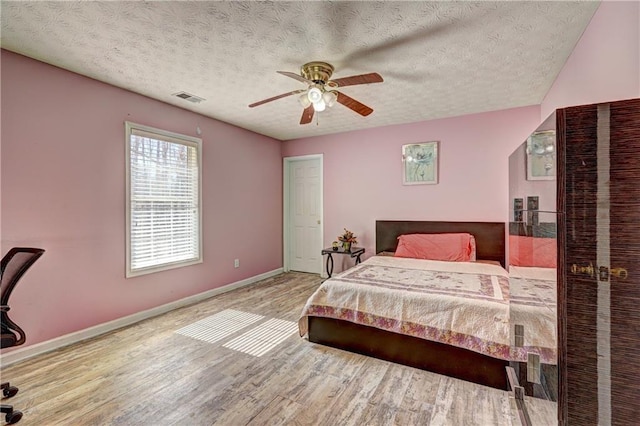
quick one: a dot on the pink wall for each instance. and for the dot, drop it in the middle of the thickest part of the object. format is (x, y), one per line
(605, 64)
(363, 171)
(520, 187)
(63, 189)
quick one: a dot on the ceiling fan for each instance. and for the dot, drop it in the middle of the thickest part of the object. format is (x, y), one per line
(321, 91)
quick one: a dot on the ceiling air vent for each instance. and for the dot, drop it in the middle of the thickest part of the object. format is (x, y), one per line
(189, 97)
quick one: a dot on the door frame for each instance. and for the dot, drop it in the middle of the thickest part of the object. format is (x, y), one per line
(286, 171)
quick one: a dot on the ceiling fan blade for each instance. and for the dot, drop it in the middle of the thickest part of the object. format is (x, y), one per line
(295, 76)
(351, 103)
(284, 95)
(307, 115)
(373, 77)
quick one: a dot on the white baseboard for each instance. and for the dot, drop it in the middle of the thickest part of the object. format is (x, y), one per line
(30, 351)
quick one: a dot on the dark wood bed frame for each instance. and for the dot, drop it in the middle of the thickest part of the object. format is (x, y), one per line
(490, 236)
(424, 354)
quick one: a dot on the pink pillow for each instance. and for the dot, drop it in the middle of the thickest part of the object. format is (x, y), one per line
(532, 251)
(451, 247)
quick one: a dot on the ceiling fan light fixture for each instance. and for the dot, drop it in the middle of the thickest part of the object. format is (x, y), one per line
(330, 98)
(314, 94)
(320, 105)
(304, 100)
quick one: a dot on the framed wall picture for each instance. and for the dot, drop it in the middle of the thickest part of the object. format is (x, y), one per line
(541, 156)
(420, 163)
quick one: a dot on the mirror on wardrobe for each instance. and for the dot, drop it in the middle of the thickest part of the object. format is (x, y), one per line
(532, 254)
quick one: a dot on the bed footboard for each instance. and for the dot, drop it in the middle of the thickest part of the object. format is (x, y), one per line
(411, 351)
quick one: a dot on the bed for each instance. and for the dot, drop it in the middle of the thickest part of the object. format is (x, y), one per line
(442, 344)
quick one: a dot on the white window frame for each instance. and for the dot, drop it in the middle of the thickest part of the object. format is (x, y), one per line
(174, 138)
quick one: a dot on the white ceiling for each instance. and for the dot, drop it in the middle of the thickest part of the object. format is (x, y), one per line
(438, 59)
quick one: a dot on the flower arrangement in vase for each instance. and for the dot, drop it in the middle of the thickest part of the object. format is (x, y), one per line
(348, 239)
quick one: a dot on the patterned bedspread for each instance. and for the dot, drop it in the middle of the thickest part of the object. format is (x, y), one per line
(462, 304)
(533, 305)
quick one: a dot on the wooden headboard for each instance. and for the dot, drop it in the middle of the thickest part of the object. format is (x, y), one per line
(490, 236)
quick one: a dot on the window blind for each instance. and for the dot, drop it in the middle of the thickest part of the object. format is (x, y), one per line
(164, 200)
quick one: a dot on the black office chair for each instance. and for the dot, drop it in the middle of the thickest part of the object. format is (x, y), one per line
(13, 266)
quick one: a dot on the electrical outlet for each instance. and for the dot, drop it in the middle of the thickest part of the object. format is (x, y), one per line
(236, 263)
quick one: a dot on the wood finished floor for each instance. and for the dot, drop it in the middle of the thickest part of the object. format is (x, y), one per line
(146, 374)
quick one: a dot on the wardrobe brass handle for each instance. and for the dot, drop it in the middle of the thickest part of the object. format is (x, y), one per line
(589, 270)
(604, 272)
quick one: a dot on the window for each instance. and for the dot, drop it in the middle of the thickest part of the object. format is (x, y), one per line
(163, 200)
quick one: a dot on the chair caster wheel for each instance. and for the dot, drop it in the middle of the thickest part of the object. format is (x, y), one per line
(9, 391)
(13, 417)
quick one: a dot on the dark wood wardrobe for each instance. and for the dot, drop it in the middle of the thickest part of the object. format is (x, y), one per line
(598, 199)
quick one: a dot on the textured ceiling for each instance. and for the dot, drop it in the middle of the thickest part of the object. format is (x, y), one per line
(438, 59)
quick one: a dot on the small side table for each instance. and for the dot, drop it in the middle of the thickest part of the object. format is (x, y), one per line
(354, 252)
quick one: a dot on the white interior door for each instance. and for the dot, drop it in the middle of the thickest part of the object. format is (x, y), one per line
(305, 215)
